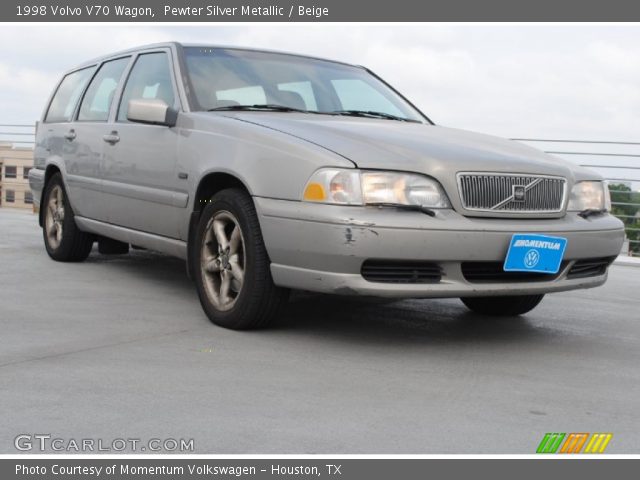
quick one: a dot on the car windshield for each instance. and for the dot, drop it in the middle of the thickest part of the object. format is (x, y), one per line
(229, 79)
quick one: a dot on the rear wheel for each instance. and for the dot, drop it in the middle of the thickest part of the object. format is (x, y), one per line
(503, 306)
(233, 274)
(63, 240)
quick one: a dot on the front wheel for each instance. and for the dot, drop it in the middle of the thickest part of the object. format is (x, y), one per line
(503, 306)
(233, 274)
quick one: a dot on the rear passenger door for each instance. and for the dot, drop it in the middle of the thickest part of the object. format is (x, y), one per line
(140, 177)
(57, 137)
(84, 168)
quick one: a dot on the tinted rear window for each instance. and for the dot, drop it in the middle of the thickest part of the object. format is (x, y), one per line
(67, 95)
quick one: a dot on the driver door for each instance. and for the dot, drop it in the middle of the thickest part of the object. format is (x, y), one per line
(140, 179)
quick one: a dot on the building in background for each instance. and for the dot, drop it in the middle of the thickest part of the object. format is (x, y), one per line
(15, 163)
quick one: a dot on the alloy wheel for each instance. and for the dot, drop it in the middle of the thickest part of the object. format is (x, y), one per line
(222, 260)
(54, 219)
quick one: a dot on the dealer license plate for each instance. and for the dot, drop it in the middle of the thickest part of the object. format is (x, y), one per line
(535, 253)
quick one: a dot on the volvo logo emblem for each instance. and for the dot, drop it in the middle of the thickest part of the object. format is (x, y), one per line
(519, 193)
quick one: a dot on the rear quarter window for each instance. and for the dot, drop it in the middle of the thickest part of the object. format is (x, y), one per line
(67, 95)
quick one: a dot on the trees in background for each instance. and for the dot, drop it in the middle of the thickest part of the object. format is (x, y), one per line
(627, 207)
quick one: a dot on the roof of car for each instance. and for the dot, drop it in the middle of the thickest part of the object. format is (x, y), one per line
(178, 44)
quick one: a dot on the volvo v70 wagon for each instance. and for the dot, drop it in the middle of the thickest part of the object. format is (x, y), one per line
(270, 171)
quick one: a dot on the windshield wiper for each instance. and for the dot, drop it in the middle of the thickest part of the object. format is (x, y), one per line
(262, 106)
(371, 114)
(270, 107)
(403, 206)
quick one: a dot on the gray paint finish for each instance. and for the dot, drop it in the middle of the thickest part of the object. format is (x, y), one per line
(143, 185)
(321, 248)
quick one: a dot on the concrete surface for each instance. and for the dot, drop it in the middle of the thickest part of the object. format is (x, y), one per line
(627, 260)
(118, 347)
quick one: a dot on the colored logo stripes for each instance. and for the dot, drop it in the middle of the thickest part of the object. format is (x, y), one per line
(550, 442)
(598, 443)
(573, 443)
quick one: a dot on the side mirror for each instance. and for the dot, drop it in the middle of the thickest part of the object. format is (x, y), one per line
(152, 110)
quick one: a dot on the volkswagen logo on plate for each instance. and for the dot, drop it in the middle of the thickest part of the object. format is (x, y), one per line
(531, 258)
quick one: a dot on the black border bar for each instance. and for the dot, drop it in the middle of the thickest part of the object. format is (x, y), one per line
(319, 11)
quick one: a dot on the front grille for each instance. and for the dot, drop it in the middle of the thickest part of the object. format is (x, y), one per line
(401, 271)
(492, 272)
(590, 267)
(511, 193)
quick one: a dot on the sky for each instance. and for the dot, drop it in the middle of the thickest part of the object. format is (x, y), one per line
(542, 81)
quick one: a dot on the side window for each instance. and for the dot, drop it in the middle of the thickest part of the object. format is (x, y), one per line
(354, 94)
(66, 97)
(150, 77)
(97, 100)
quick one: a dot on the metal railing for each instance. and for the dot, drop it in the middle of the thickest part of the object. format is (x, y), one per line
(17, 134)
(608, 160)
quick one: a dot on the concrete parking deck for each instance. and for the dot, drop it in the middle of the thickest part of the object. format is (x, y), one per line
(118, 347)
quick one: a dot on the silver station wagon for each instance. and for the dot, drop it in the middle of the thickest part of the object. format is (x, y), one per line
(270, 171)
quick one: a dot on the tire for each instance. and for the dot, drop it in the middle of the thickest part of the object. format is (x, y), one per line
(231, 265)
(63, 240)
(503, 306)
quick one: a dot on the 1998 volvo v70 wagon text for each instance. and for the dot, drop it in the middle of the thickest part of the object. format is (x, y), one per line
(270, 171)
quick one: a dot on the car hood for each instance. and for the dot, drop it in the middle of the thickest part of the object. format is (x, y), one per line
(429, 149)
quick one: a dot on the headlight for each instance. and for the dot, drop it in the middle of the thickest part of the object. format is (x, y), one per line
(333, 185)
(356, 187)
(589, 195)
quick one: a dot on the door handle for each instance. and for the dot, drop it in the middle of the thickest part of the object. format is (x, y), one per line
(70, 135)
(112, 138)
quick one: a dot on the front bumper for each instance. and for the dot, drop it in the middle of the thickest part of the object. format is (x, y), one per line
(322, 248)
